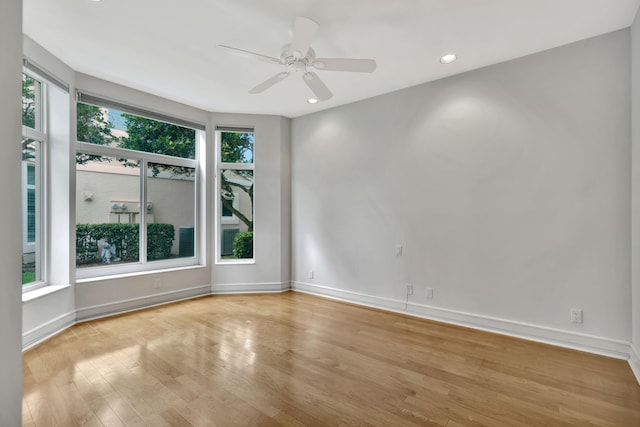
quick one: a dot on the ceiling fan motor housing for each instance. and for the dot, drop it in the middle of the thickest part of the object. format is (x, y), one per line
(295, 62)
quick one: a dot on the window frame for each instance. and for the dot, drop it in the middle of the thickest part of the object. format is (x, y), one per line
(38, 134)
(144, 265)
(221, 166)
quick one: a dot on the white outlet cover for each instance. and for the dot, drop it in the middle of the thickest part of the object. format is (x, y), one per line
(576, 315)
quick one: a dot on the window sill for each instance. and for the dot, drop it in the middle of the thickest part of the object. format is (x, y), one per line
(235, 262)
(41, 292)
(136, 273)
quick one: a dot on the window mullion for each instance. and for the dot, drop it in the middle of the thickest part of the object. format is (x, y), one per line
(236, 166)
(40, 231)
(33, 134)
(143, 212)
(106, 150)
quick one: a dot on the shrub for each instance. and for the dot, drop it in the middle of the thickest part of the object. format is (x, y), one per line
(243, 245)
(160, 239)
(125, 237)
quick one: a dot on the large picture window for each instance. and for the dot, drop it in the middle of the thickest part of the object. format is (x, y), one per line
(33, 139)
(136, 191)
(235, 195)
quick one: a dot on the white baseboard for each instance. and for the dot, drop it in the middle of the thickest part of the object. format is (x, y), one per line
(124, 306)
(634, 361)
(47, 330)
(250, 288)
(59, 324)
(593, 344)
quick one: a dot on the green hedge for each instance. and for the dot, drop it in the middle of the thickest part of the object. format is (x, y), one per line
(125, 237)
(243, 245)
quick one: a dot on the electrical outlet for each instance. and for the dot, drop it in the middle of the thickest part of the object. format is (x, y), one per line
(429, 293)
(157, 284)
(576, 315)
(409, 289)
(310, 274)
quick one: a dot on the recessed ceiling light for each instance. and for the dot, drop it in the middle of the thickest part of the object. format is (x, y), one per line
(448, 59)
(312, 101)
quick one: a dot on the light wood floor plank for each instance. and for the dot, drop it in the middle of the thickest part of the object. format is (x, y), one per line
(298, 360)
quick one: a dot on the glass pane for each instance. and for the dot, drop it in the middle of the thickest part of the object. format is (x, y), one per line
(93, 125)
(236, 233)
(107, 210)
(103, 126)
(31, 215)
(31, 174)
(170, 212)
(30, 212)
(236, 147)
(31, 108)
(226, 212)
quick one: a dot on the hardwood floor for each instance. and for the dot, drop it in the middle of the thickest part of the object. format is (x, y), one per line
(296, 359)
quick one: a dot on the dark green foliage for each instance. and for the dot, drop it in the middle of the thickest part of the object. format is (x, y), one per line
(243, 245)
(236, 147)
(126, 239)
(28, 102)
(28, 115)
(152, 136)
(92, 125)
(160, 238)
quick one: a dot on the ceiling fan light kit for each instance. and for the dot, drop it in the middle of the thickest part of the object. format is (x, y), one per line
(299, 57)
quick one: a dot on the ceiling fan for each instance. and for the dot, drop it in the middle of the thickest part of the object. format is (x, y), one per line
(299, 57)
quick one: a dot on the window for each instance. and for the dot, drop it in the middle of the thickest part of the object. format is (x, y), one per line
(136, 190)
(227, 214)
(235, 195)
(33, 139)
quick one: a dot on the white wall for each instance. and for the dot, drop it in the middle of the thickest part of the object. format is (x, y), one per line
(270, 272)
(635, 83)
(10, 214)
(508, 187)
(285, 201)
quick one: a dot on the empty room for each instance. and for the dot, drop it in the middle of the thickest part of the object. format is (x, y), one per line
(320, 213)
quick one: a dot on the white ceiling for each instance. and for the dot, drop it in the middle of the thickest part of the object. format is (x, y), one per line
(168, 47)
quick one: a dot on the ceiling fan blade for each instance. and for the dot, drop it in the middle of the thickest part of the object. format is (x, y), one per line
(251, 55)
(303, 31)
(339, 64)
(269, 82)
(316, 85)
